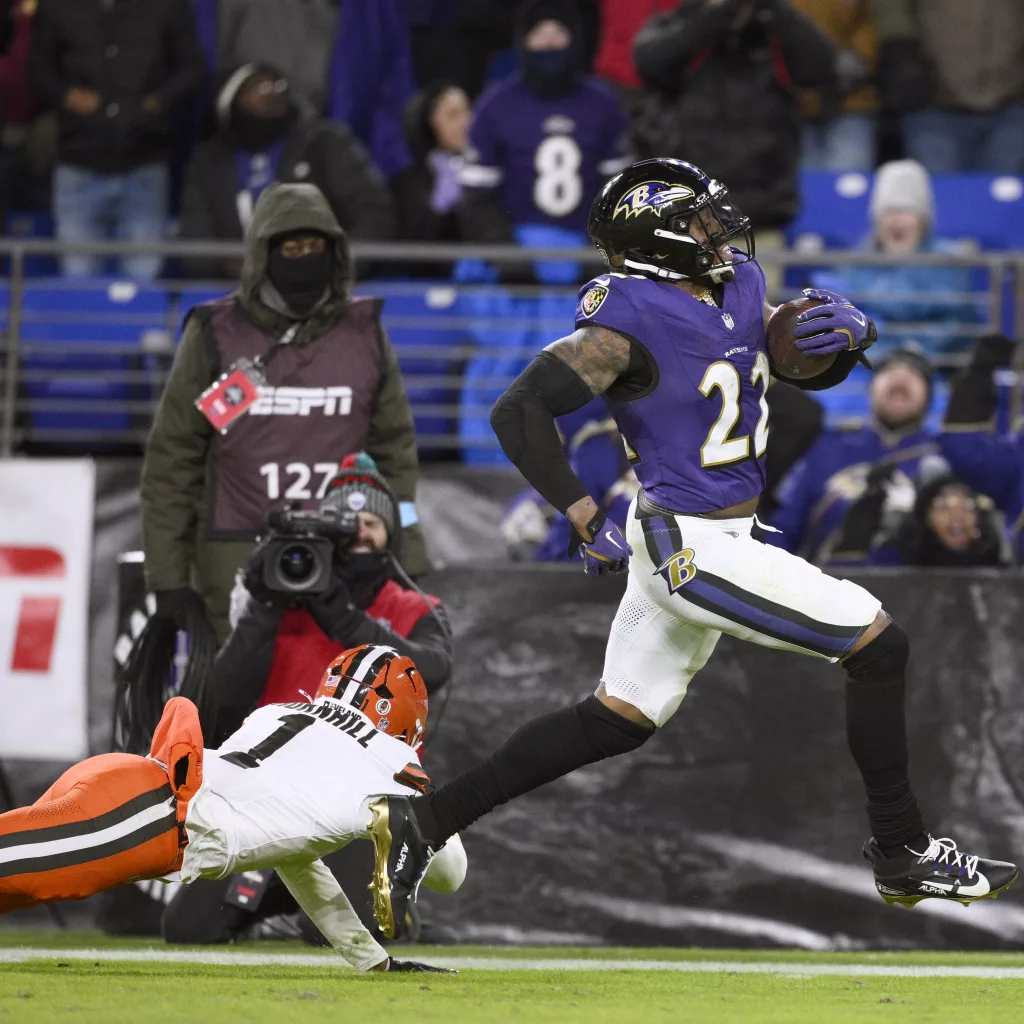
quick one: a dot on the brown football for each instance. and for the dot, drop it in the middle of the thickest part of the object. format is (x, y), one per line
(787, 359)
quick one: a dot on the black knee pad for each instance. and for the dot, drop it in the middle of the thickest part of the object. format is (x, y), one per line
(608, 731)
(884, 657)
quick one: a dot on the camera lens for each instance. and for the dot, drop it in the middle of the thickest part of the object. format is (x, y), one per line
(297, 563)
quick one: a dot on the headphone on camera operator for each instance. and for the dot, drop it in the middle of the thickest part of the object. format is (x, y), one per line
(321, 582)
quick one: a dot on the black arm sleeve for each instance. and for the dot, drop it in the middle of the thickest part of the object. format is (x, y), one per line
(524, 421)
(428, 643)
(242, 666)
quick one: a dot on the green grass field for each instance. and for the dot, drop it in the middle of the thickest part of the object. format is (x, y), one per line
(79, 978)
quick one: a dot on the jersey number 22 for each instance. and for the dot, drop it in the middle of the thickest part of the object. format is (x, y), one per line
(720, 449)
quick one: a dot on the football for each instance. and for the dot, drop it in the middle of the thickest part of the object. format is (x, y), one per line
(787, 359)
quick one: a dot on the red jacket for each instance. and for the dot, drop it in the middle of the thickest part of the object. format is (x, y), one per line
(620, 22)
(302, 651)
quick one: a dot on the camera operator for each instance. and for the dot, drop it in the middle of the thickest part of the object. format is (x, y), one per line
(282, 638)
(295, 610)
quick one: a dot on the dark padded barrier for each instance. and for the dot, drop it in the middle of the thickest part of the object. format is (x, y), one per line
(741, 823)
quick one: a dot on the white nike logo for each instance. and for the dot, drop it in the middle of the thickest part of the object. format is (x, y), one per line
(608, 536)
(859, 317)
(979, 888)
(603, 280)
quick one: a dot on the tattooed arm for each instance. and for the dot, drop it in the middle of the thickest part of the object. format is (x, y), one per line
(563, 378)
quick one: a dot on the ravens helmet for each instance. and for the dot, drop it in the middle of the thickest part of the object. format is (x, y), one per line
(384, 685)
(667, 219)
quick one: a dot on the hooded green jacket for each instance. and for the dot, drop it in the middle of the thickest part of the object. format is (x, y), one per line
(176, 470)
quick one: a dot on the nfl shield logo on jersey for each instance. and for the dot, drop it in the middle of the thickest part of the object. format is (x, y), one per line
(592, 299)
(727, 320)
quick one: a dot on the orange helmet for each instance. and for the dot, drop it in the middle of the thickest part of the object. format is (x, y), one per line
(384, 685)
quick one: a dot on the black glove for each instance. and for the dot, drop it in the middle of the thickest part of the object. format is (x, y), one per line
(175, 604)
(904, 77)
(993, 352)
(413, 966)
(332, 611)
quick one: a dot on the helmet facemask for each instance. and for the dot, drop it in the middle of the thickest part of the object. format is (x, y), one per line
(695, 240)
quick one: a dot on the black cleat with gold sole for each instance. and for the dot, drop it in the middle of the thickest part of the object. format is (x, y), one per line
(401, 858)
(939, 871)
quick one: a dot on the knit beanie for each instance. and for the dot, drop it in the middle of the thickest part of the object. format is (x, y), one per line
(903, 185)
(359, 487)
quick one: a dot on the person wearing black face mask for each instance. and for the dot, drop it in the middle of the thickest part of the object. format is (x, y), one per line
(542, 142)
(265, 133)
(279, 640)
(328, 382)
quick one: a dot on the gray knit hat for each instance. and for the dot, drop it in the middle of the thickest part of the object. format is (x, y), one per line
(358, 487)
(903, 185)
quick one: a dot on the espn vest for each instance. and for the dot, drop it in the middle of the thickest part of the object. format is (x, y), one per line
(315, 410)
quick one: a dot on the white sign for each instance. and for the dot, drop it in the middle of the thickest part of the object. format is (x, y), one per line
(46, 511)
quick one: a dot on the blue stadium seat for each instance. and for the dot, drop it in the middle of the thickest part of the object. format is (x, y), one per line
(418, 316)
(514, 328)
(100, 328)
(986, 207)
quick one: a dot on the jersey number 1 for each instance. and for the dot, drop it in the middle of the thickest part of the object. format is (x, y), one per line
(720, 449)
(255, 756)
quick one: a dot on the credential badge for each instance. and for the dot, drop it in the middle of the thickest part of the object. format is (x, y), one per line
(728, 321)
(592, 299)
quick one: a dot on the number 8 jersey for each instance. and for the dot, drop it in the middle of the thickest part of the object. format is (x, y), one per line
(691, 408)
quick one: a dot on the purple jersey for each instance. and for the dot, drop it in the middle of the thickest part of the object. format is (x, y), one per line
(548, 157)
(697, 436)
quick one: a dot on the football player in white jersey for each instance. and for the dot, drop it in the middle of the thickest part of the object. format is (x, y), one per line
(293, 784)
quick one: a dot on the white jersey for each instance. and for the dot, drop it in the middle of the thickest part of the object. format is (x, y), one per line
(292, 785)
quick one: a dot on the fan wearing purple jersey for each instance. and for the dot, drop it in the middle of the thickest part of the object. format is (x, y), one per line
(673, 336)
(544, 140)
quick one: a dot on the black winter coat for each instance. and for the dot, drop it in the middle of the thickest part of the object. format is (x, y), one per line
(125, 50)
(319, 152)
(727, 100)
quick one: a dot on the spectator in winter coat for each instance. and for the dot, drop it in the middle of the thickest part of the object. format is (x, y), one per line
(370, 79)
(296, 36)
(266, 134)
(427, 193)
(332, 385)
(988, 461)
(815, 496)
(949, 525)
(841, 130)
(116, 74)
(954, 71)
(721, 78)
(541, 142)
(902, 214)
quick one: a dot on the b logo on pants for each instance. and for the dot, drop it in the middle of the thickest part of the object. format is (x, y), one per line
(678, 569)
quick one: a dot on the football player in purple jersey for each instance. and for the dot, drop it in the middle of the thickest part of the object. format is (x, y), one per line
(673, 336)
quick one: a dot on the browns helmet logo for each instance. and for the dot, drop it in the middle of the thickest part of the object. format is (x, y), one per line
(650, 196)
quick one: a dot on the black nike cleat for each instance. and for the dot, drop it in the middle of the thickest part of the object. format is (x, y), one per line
(401, 859)
(939, 872)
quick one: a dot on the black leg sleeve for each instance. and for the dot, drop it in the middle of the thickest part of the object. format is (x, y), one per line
(541, 751)
(876, 730)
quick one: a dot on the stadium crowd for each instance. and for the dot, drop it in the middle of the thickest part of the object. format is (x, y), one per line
(496, 121)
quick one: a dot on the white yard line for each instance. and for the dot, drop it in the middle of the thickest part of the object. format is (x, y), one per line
(174, 956)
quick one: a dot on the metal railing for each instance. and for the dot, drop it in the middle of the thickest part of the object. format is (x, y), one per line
(145, 361)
